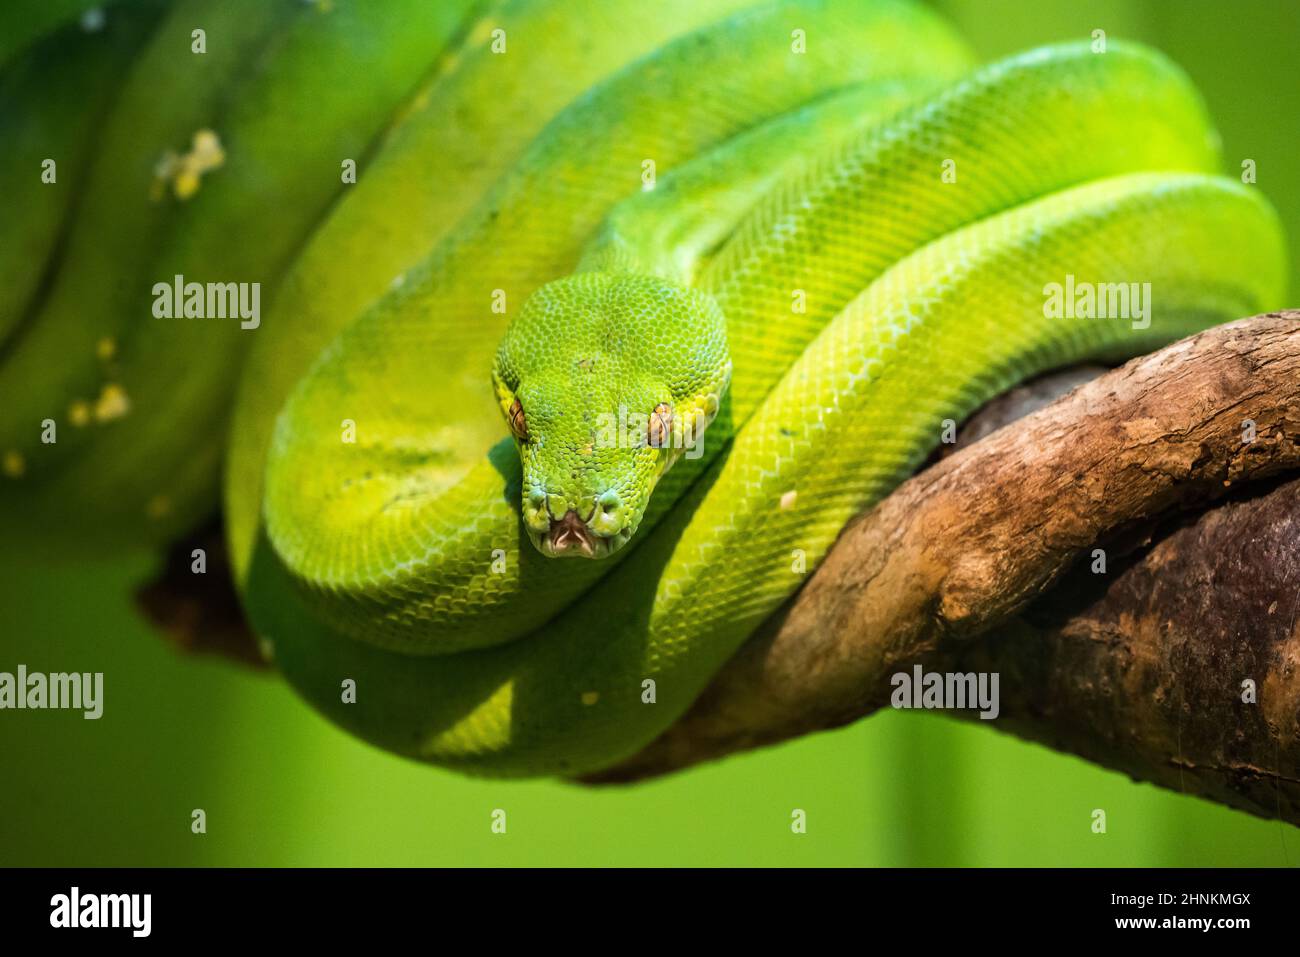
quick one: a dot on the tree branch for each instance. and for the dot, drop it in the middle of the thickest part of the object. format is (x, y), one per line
(971, 541)
(1144, 670)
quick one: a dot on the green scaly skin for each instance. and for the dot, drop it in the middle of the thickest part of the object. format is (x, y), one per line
(287, 88)
(417, 577)
(864, 299)
(52, 101)
(435, 180)
(620, 375)
(100, 290)
(805, 289)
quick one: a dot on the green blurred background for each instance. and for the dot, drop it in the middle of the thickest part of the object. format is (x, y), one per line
(281, 787)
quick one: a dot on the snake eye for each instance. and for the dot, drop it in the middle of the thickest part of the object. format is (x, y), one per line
(660, 426)
(518, 425)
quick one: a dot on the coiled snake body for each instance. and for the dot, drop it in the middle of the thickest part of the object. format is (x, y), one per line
(810, 226)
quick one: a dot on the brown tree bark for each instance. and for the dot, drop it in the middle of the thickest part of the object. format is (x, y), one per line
(1182, 668)
(974, 564)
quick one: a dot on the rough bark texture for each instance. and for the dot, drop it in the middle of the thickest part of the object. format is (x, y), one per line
(1146, 676)
(1182, 669)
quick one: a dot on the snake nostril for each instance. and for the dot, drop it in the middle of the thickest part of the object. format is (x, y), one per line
(556, 506)
(609, 502)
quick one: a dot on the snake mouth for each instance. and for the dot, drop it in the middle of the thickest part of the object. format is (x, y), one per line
(571, 537)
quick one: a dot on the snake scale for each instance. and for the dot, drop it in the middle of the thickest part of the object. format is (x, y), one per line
(630, 312)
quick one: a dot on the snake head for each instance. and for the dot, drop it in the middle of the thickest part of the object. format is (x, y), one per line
(605, 381)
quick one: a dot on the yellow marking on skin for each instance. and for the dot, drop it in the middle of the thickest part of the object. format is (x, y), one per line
(158, 507)
(483, 729)
(112, 403)
(185, 173)
(163, 172)
(105, 348)
(207, 152)
(590, 697)
(421, 101)
(79, 413)
(482, 32)
(14, 465)
(417, 105)
(787, 500)
(186, 183)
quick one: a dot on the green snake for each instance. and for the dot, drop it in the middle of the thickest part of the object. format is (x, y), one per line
(542, 424)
